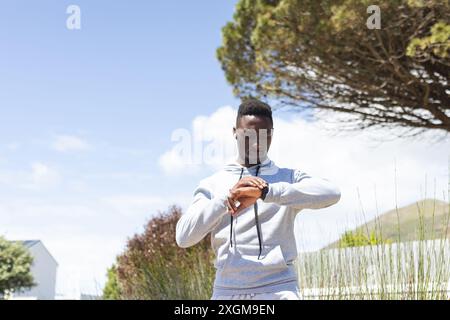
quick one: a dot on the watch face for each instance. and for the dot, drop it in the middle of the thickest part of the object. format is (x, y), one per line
(264, 192)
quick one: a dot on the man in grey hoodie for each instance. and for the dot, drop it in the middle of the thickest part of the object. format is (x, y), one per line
(255, 249)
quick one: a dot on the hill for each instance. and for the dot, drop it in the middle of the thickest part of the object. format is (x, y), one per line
(423, 220)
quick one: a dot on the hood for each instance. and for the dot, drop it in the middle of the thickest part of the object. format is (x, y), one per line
(267, 167)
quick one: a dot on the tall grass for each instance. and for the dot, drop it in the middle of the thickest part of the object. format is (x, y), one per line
(412, 270)
(400, 270)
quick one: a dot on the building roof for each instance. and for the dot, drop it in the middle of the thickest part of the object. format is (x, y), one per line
(29, 243)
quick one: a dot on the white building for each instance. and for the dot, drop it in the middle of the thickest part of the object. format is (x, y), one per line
(43, 271)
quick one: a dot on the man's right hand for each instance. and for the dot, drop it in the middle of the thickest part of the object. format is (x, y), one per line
(244, 203)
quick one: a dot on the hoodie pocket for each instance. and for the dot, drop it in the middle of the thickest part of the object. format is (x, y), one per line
(243, 267)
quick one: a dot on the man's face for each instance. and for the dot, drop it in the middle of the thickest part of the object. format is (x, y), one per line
(254, 136)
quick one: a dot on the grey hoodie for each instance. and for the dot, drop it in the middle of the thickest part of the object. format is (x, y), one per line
(254, 251)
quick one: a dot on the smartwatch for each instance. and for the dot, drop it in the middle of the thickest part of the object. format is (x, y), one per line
(264, 192)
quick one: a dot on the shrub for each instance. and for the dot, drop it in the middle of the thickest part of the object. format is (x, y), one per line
(154, 267)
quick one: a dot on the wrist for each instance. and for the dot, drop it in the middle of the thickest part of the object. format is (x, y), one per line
(264, 192)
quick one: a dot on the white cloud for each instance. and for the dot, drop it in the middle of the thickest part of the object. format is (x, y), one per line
(40, 177)
(67, 143)
(13, 146)
(209, 142)
(43, 175)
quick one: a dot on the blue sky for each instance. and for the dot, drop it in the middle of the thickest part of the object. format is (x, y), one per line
(122, 82)
(86, 118)
(129, 72)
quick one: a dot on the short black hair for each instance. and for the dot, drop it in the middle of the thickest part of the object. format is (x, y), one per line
(254, 107)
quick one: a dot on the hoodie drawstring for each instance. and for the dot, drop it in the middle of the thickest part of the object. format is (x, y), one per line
(255, 209)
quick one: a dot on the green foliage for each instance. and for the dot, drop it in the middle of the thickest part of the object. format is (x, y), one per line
(15, 268)
(112, 290)
(359, 238)
(321, 54)
(438, 42)
(154, 267)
